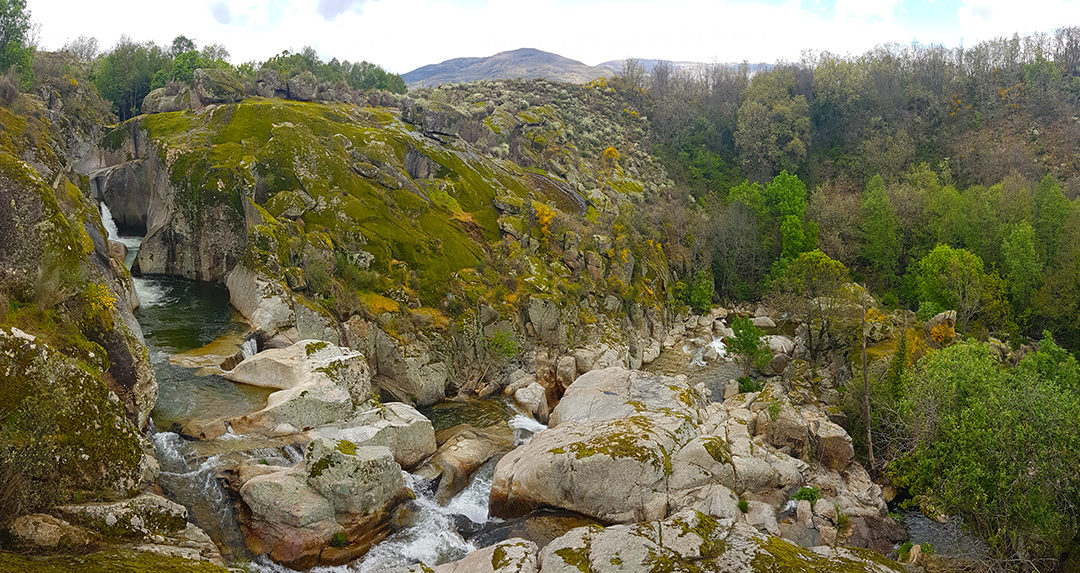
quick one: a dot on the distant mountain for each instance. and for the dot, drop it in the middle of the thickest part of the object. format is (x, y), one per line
(525, 63)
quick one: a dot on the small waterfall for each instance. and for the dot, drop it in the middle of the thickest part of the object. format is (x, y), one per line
(432, 538)
(249, 348)
(717, 344)
(196, 487)
(524, 428)
(131, 242)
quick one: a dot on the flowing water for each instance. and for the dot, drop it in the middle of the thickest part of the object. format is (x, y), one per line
(179, 317)
(949, 539)
(688, 359)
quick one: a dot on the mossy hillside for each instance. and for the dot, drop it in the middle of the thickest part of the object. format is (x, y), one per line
(561, 128)
(112, 560)
(342, 172)
(275, 146)
(64, 436)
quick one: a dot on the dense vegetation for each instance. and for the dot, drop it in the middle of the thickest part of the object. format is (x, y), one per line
(879, 159)
(941, 180)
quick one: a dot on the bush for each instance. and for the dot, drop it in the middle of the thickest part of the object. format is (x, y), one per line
(701, 291)
(748, 384)
(750, 350)
(811, 494)
(928, 310)
(338, 540)
(744, 506)
(989, 443)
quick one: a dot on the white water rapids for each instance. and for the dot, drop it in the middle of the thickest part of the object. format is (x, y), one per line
(432, 538)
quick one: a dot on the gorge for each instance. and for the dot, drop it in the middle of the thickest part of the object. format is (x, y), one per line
(273, 323)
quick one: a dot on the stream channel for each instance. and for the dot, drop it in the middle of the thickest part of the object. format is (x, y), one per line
(183, 321)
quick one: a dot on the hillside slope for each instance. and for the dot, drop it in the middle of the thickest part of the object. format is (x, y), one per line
(429, 227)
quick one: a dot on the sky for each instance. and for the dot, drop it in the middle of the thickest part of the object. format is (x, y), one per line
(402, 35)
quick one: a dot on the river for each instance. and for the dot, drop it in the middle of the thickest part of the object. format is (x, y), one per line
(179, 319)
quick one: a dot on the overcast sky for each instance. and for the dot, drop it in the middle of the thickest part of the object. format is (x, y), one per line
(402, 35)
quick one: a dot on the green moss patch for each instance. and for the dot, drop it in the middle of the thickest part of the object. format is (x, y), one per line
(118, 561)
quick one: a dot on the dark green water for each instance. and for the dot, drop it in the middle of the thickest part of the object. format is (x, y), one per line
(178, 315)
(480, 413)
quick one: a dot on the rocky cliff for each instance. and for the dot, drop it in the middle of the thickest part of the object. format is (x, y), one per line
(430, 231)
(76, 383)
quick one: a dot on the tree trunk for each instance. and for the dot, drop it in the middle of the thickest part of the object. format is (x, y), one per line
(866, 396)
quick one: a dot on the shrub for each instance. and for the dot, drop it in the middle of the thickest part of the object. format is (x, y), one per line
(748, 384)
(701, 291)
(750, 350)
(502, 344)
(811, 494)
(942, 333)
(338, 540)
(927, 310)
(744, 506)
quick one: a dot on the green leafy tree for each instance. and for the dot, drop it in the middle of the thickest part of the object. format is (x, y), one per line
(880, 233)
(747, 345)
(781, 209)
(1051, 214)
(815, 289)
(701, 291)
(14, 24)
(954, 279)
(990, 443)
(125, 74)
(1022, 263)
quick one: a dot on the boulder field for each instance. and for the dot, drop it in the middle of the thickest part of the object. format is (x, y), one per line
(681, 481)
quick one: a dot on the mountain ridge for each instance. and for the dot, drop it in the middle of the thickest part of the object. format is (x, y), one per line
(525, 63)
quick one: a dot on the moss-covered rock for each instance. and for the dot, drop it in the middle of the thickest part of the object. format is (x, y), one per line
(65, 436)
(216, 86)
(118, 560)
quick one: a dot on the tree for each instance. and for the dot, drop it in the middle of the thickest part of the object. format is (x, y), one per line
(83, 48)
(773, 129)
(881, 239)
(14, 25)
(954, 279)
(750, 350)
(1022, 263)
(1051, 213)
(991, 444)
(815, 289)
(125, 74)
(181, 44)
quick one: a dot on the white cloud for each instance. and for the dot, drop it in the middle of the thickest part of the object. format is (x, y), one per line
(404, 34)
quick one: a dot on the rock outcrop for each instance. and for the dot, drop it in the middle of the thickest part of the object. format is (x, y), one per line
(340, 489)
(165, 100)
(214, 86)
(318, 383)
(93, 450)
(302, 87)
(625, 447)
